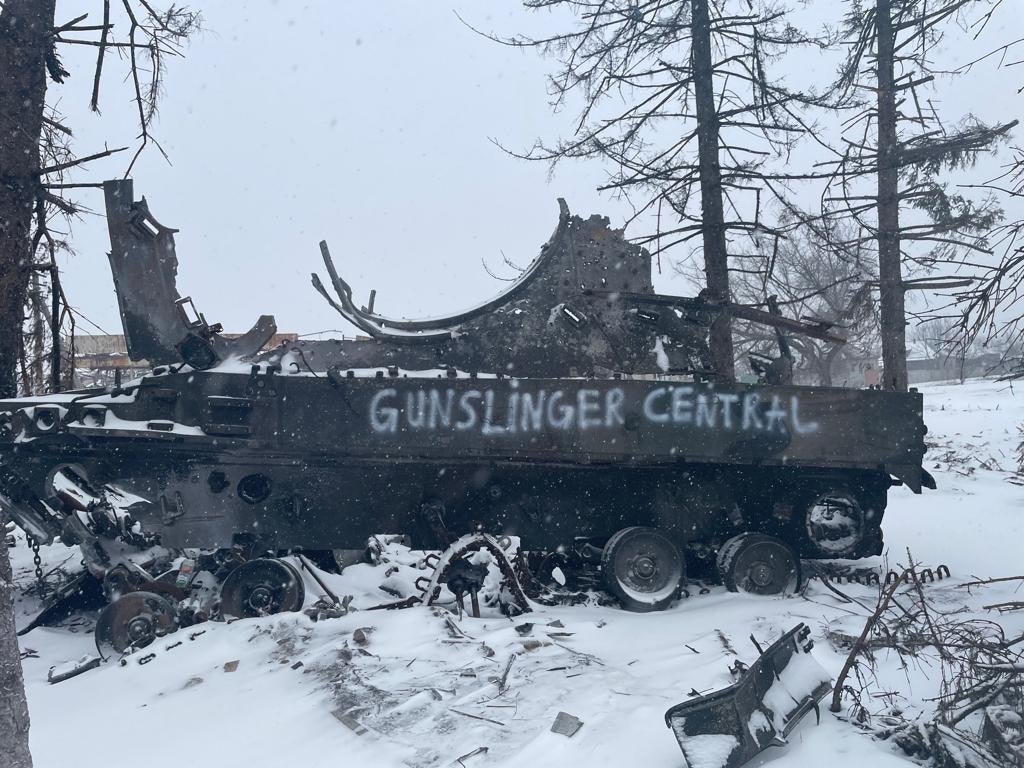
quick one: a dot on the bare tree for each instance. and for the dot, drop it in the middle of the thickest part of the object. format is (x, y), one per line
(817, 279)
(940, 339)
(899, 140)
(34, 155)
(25, 49)
(988, 313)
(681, 103)
(935, 337)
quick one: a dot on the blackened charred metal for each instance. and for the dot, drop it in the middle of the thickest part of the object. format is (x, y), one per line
(460, 568)
(584, 307)
(574, 406)
(562, 317)
(758, 711)
(159, 325)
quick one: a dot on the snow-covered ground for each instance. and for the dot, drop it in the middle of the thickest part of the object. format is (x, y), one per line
(419, 693)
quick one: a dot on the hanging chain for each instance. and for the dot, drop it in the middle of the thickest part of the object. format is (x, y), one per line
(38, 561)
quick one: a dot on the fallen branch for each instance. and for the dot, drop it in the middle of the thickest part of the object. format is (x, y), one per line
(477, 717)
(503, 682)
(1002, 607)
(981, 582)
(860, 644)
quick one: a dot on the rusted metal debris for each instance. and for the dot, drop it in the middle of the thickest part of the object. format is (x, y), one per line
(452, 568)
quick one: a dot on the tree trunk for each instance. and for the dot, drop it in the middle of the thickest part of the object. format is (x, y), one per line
(891, 294)
(25, 42)
(825, 371)
(13, 706)
(716, 263)
(828, 364)
(35, 299)
(55, 356)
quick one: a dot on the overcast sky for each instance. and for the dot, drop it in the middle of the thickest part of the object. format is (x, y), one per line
(365, 124)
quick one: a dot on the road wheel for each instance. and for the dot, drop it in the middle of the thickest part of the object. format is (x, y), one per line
(643, 568)
(758, 564)
(260, 588)
(135, 619)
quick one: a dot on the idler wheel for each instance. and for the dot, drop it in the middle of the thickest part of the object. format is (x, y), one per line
(643, 568)
(261, 587)
(135, 619)
(834, 524)
(758, 564)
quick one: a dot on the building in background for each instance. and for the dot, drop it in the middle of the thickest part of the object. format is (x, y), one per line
(955, 367)
(102, 359)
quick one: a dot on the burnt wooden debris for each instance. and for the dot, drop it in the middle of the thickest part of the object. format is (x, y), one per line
(578, 406)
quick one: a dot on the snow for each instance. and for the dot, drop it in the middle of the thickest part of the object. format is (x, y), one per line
(115, 422)
(415, 690)
(660, 355)
(799, 679)
(709, 750)
(758, 724)
(293, 365)
(98, 396)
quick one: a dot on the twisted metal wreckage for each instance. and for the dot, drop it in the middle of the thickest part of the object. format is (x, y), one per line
(577, 411)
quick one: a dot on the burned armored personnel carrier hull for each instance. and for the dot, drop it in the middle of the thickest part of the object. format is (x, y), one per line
(577, 412)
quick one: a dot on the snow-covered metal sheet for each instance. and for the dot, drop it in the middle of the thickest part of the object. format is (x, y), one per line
(727, 728)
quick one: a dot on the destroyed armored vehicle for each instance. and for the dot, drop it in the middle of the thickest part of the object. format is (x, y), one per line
(578, 411)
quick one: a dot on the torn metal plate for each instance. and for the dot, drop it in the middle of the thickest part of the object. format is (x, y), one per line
(159, 325)
(726, 728)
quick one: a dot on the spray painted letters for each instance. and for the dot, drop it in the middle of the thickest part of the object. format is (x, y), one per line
(511, 410)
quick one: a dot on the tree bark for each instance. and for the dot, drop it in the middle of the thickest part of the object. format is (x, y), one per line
(891, 293)
(25, 41)
(825, 370)
(35, 300)
(828, 365)
(55, 355)
(14, 719)
(716, 263)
